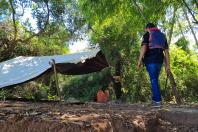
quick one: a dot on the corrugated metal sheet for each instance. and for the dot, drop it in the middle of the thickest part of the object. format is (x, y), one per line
(22, 69)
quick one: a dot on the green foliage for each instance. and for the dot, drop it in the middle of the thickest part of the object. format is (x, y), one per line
(34, 91)
(4, 9)
(183, 44)
(56, 23)
(3, 94)
(185, 67)
(85, 87)
(117, 26)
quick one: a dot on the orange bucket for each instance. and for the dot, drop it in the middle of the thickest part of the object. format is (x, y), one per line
(102, 97)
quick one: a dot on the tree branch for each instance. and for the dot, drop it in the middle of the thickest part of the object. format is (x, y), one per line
(43, 29)
(180, 27)
(22, 10)
(13, 19)
(190, 26)
(172, 26)
(140, 11)
(189, 10)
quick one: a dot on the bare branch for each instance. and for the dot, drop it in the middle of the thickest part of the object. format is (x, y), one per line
(172, 25)
(13, 19)
(22, 10)
(48, 12)
(43, 29)
(140, 11)
(190, 26)
(180, 27)
(189, 10)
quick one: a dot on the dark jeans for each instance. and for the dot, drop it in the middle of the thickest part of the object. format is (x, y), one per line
(154, 71)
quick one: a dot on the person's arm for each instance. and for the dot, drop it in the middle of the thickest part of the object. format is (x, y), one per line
(166, 57)
(142, 53)
(143, 49)
(167, 60)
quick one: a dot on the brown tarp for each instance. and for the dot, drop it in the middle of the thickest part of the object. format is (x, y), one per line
(94, 64)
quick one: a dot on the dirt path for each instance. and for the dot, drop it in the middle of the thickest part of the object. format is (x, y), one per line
(95, 117)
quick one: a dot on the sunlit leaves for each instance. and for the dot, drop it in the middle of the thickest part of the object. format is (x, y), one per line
(117, 26)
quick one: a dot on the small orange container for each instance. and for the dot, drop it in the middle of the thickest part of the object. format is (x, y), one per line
(102, 97)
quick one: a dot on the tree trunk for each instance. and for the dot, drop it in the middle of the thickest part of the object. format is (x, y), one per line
(174, 88)
(170, 75)
(172, 26)
(116, 80)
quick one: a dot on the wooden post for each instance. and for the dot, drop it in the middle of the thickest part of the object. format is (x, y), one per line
(56, 78)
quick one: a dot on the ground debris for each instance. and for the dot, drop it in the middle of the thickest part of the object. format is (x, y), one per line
(96, 117)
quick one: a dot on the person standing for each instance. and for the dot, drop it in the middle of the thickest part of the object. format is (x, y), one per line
(154, 51)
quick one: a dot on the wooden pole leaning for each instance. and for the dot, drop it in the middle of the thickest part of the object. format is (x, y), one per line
(55, 77)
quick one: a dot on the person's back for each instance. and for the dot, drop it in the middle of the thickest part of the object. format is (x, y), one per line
(154, 45)
(155, 42)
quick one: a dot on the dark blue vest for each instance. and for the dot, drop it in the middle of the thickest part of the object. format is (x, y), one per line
(156, 39)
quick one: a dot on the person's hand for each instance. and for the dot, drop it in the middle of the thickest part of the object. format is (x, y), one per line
(139, 65)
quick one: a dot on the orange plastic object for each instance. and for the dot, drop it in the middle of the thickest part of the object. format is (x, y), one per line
(102, 97)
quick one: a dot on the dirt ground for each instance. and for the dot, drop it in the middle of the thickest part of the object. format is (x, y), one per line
(18, 116)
